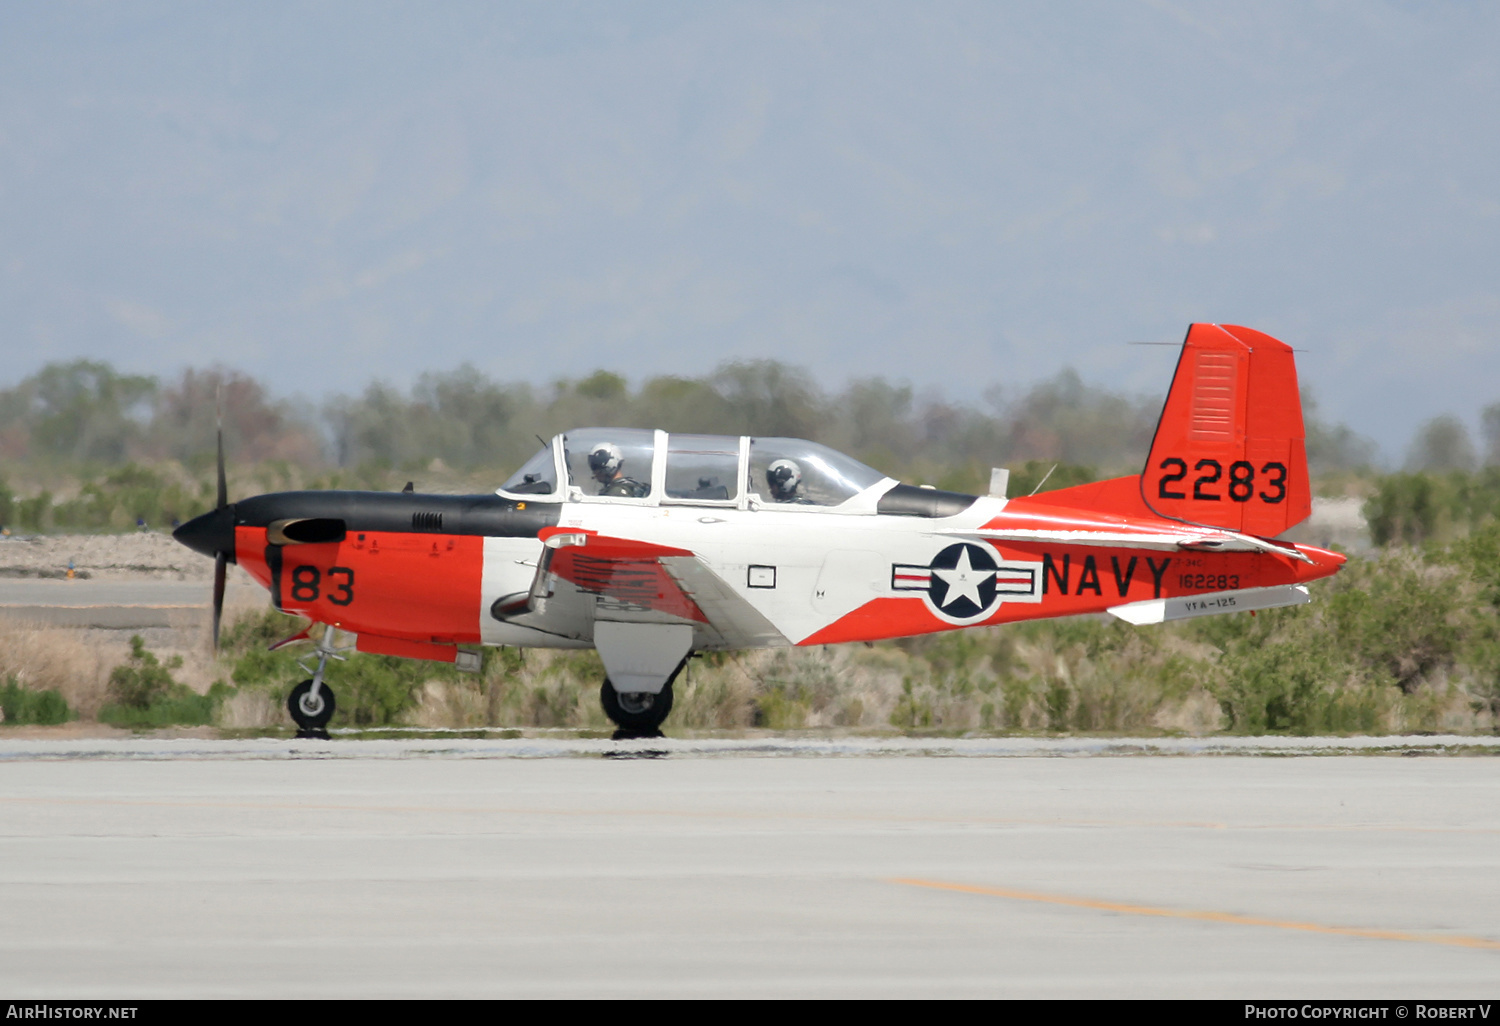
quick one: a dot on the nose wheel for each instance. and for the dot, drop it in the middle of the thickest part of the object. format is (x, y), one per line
(311, 709)
(311, 703)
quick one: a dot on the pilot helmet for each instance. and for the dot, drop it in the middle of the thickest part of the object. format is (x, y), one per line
(605, 460)
(784, 476)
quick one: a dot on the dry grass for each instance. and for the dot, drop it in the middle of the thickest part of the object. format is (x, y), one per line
(74, 663)
(247, 709)
(442, 704)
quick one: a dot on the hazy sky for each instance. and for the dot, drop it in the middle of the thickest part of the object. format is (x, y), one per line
(955, 194)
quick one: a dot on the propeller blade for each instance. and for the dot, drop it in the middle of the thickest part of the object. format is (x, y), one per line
(221, 557)
(223, 485)
(221, 569)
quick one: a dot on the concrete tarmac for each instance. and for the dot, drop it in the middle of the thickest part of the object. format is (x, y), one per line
(279, 871)
(115, 604)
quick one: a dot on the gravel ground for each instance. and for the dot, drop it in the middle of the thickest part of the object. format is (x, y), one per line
(145, 555)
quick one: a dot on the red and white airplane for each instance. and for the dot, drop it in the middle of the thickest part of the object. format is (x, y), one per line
(650, 546)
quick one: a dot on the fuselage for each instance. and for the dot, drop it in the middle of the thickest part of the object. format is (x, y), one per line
(452, 570)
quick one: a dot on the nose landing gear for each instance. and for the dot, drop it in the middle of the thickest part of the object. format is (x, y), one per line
(311, 709)
(311, 703)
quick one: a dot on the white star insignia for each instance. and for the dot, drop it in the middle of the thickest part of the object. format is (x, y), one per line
(963, 581)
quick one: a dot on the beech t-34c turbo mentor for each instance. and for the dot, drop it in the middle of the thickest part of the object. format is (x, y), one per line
(649, 546)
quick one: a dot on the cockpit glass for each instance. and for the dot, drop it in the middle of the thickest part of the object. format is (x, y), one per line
(795, 472)
(703, 468)
(610, 462)
(537, 476)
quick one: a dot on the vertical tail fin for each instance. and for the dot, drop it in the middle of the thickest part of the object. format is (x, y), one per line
(1229, 449)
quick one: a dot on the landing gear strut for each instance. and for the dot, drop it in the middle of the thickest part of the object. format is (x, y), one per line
(311, 703)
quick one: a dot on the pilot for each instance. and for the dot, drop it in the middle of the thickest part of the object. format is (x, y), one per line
(607, 465)
(784, 478)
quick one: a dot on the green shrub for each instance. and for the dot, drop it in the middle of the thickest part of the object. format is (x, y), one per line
(35, 513)
(1423, 508)
(1404, 510)
(1389, 643)
(374, 690)
(369, 690)
(143, 693)
(1399, 617)
(143, 679)
(1281, 673)
(1478, 556)
(24, 706)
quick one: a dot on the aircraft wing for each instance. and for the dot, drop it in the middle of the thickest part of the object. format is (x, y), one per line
(737, 622)
(583, 578)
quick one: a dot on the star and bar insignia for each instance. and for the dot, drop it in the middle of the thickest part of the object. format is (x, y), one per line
(965, 580)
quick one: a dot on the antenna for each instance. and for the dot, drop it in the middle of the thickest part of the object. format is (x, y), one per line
(1043, 480)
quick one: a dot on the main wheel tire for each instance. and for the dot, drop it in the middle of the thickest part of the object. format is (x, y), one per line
(636, 710)
(309, 712)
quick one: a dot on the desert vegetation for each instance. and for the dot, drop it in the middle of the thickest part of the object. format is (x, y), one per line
(1407, 638)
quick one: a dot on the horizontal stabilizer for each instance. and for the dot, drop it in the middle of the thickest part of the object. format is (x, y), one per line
(1211, 604)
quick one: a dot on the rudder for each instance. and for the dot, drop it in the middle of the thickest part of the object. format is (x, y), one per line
(1230, 449)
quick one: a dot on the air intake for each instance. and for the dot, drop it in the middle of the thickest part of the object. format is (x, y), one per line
(426, 521)
(305, 531)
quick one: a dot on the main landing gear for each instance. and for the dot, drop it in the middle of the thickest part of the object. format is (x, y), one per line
(641, 660)
(311, 703)
(637, 713)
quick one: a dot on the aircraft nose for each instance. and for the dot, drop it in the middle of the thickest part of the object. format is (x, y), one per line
(210, 534)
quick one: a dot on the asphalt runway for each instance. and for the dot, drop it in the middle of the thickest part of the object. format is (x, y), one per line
(414, 868)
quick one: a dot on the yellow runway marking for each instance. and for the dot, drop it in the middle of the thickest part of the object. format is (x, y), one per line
(1454, 940)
